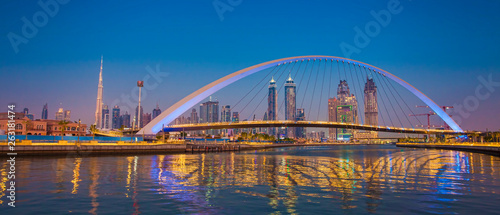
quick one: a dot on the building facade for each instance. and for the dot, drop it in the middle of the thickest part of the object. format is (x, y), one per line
(300, 132)
(343, 108)
(45, 111)
(25, 126)
(105, 117)
(156, 111)
(290, 106)
(209, 112)
(272, 105)
(371, 106)
(116, 122)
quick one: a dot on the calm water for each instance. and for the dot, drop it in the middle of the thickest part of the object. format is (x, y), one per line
(300, 180)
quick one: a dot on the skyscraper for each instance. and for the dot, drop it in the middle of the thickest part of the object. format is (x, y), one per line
(156, 111)
(125, 119)
(98, 109)
(225, 115)
(209, 112)
(67, 115)
(272, 105)
(235, 118)
(290, 105)
(28, 115)
(146, 118)
(344, 108)
(371, 105)
(115, 122)
(194, 116)
(300, 132)
(45, 112)
(60, 114)
(105, 117)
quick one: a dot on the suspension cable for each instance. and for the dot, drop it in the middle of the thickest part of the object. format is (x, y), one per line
(397, 101)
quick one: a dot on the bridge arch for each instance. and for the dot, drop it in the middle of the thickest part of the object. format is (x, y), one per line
(194, 98)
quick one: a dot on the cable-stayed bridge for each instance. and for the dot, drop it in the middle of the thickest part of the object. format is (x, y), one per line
(367, 98)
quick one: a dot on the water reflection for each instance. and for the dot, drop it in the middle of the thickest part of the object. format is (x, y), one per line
(278, 181)
(344, 179)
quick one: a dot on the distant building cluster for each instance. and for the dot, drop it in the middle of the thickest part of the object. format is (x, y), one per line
(342, 108)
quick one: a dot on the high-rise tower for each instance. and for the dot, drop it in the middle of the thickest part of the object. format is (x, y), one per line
(272, 105)
(290, 105)
(371, 106)
(45, 111)
(344, 109)
(98, 109)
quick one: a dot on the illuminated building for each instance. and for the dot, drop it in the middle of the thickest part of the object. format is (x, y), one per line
(290, 105)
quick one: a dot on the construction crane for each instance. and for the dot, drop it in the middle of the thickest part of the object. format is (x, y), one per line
(428, 117)
(444, 109)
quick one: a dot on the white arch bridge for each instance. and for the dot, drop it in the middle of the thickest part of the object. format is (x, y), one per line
(196, 97)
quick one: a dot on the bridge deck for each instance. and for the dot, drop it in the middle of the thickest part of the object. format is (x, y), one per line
(316, 124)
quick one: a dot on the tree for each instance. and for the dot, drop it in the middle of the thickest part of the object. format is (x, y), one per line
(93, 129)
(63, 124)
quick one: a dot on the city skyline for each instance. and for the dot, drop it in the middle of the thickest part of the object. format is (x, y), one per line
(427, 60)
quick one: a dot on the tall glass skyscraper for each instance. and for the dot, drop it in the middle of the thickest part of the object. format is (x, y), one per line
(272, 105)
(105, 117)
(300, 132)
(225, 115)
(125, 120)
(209, 112)
(344, 108)
(116, 124)
(290, 105)
(45, 111)
(371, 105)
(156, 111)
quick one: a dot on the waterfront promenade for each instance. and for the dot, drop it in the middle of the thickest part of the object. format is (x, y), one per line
(486, 147)
(62, 147)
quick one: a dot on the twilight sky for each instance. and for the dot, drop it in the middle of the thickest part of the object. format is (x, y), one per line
(443, 48)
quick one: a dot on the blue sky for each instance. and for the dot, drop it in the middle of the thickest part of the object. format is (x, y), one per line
(441, 47)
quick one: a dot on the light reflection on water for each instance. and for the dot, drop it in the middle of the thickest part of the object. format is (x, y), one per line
(357, 179)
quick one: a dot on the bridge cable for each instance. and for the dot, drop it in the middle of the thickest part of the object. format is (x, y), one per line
(363, 119)
(314, 87)
(283, 86)
(397, 101)
(296, 88)
(390, 102)
(322, 86)
(382, 99)
(279, 87)
(360, 80)
(281, 66)
(266, 77)
(355, 92)
(401, 97)
(307, 84)
(330, 79)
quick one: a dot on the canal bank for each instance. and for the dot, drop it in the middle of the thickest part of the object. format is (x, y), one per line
(130, 148)
(487, 148)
